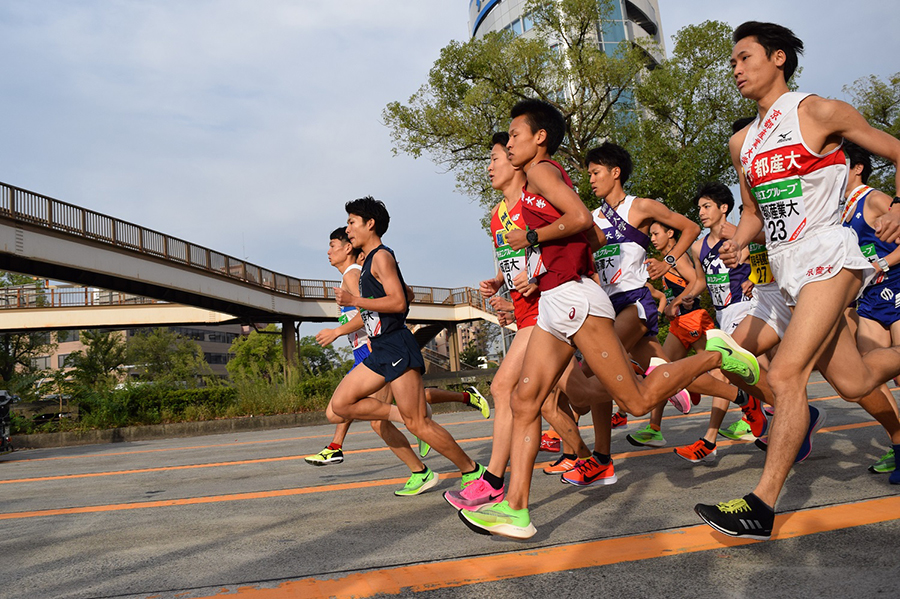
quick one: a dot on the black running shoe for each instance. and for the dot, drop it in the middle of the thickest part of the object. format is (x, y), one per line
(747, 517)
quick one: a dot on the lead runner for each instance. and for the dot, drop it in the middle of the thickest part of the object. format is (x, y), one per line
(792, 174)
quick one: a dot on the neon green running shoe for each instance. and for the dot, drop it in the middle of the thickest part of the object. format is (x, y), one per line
(418, 482)
(734, 357)
(738, 431)
(471, 477)
(646, 437)
(885, 463)
(325, 457)
(424, 447)
(477, 401)
(499, 519)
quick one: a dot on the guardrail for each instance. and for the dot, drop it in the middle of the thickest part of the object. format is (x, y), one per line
(31, 208)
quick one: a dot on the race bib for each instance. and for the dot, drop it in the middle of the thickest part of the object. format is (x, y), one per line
(511, 263)
(719, 288)
(871, 255)
(782, 207)
(372, 322)
(608, 260)
(760, 271)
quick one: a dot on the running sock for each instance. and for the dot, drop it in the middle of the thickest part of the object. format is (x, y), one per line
(654, 427)
(603, 458)
(570, 456)
(422, 471)
(742, 397)
(333, 446)
(468, 397)
(495, 481)
(756, 503)
(475, 469)
(708, 444)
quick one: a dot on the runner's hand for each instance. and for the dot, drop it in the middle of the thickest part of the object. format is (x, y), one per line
(747, 287)
(887, 226)
(500, 304)
(656, 268)
(728, 230)
(344, 298)
(523, 285)
(326, 337)
(489, 287)
(505, 318)
(516, 239)
(730, 253)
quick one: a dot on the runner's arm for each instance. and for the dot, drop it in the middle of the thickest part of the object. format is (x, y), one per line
(384, 269)
(751, 222)
(840, 118)
(545, 180)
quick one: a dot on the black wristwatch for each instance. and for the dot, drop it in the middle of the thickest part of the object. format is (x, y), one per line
(670, 260)
(896, 200)
(531, 237)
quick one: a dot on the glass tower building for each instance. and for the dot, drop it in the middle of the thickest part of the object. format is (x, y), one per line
(630, 20)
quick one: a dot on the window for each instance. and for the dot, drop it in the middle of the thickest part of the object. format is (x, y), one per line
(61, 360)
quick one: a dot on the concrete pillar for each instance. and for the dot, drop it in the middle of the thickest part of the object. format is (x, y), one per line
(453, 347)
(289, 347)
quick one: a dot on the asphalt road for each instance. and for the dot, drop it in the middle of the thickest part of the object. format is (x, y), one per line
(243, 515)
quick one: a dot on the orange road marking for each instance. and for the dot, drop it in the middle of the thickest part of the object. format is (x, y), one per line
(517, 564)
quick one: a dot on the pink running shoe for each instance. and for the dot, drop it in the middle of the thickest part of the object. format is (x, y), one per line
(478, 493)
(682, 399)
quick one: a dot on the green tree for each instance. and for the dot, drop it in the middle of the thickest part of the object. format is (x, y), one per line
(22, 355)
(316, 360)
(473, 85)
(258, 356)
(879, 103)
(168, 358)
(481, 345)
(689, 103)
(100, 365)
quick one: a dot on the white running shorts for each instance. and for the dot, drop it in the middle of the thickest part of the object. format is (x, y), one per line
(769, 306)
(817, 256)
(729, 317)
(563, 309)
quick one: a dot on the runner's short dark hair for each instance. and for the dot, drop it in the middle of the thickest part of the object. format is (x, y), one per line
(542, 115)
(858, 155)
(718, 193)
(368, 208)
(611, 155)
(773, 37)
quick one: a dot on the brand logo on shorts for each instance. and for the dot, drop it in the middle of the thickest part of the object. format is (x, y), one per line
(695, 333)
(572, 314)
(397, 362)
(887, 295)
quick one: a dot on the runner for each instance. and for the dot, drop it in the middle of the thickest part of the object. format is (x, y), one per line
(383, 304)
(879, 315)
(573, 310)
(506, 217)
(348, 261)
(726, 290)
(792, 175)
(344, 257)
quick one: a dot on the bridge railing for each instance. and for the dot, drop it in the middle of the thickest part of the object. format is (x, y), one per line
(25, 206)
(68, 297)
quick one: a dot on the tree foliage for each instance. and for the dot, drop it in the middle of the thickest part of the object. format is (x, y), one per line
(100, 365)
(689, 103)
(674, 119)
(473, 85)
(168, 358)
(316, 360)
(879, 103)
(258, 356)
(20, 368)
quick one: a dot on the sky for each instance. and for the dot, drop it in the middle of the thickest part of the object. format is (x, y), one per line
(245, 126)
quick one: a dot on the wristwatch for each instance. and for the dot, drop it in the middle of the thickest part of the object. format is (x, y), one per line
(669, 260)
(882, 263)
(896, 200)
(531, 237)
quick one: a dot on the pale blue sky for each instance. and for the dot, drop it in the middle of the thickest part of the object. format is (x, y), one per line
(245, 126)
